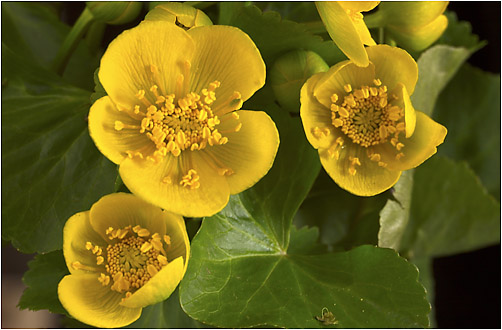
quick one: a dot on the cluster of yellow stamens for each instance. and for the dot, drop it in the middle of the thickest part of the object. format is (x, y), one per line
(188, 124)
(175, 124)
(367, 117)
(135, 257)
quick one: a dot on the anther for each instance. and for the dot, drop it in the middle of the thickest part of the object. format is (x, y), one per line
(143, 232)
(347, 88)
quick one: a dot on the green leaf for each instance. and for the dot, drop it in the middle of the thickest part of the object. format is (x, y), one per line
(436, 66)
(366, 287)
(275, 36)
(426, 277)
(36, 33)
(470, 108)
(42, 279)
(99, 90)
(451, 212)
(50, 166)
(345, 220)
(459, 34)
(249, 268)
(167, 314)
(395, 215)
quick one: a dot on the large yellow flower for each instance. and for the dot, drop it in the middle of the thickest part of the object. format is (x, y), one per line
(124, 254)
(345, 25)
(170, 118)
(363, 124)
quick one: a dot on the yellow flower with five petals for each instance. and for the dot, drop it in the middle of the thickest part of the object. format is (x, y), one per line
(363, 124)
(123, 254)
(345, 25)
(171, 119)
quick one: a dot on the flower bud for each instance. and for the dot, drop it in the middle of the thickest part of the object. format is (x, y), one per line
(181, 14)
(414, 25)
(411, 14)
(290, 72)
(418, 38)
(114, 12)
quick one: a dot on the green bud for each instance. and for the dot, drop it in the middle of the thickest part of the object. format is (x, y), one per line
(180, 14)
(114, 12)
(411, 14)
(418, 38)
(290, 72)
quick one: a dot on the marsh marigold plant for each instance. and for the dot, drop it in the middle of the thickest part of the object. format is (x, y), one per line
(123, 254)
(171, 118)
(345, 25)
(363, 124)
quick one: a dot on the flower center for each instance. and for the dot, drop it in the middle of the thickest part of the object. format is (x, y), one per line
(176, 124)
(133, 259)
(366, 116)
(173, 127)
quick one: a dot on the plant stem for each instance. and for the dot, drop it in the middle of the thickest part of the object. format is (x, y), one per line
(95, 35)
(381, 35)
(71, 41)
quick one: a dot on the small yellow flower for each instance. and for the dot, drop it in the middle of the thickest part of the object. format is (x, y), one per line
(345, 25)
(124, 254)
(414, 25)
(363, 124)
(171, 119)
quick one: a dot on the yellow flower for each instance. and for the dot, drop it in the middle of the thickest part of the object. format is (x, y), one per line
(170, 119)
(345, 25)
(124, 254)
(414, 25)
(363, 124)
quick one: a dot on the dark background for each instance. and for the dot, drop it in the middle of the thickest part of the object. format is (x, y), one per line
(467, 286)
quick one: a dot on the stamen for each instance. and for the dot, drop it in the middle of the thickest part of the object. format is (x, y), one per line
(191, 180)
(347, 88)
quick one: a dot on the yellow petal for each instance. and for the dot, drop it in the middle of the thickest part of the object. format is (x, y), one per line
(126, 66)
(180, 244)
(113, 143)
(359, 6)
(344, 33)
(370, 179)
(120, 210)
(417, 149)
(149, 182)
(250, 152)
(421, 37)
(410, 116)
(88, 301)
(314, 115)
(340, 75)
(76, 233)
(179, 13)
(394, 65)
(228, 55)
(159, 287)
